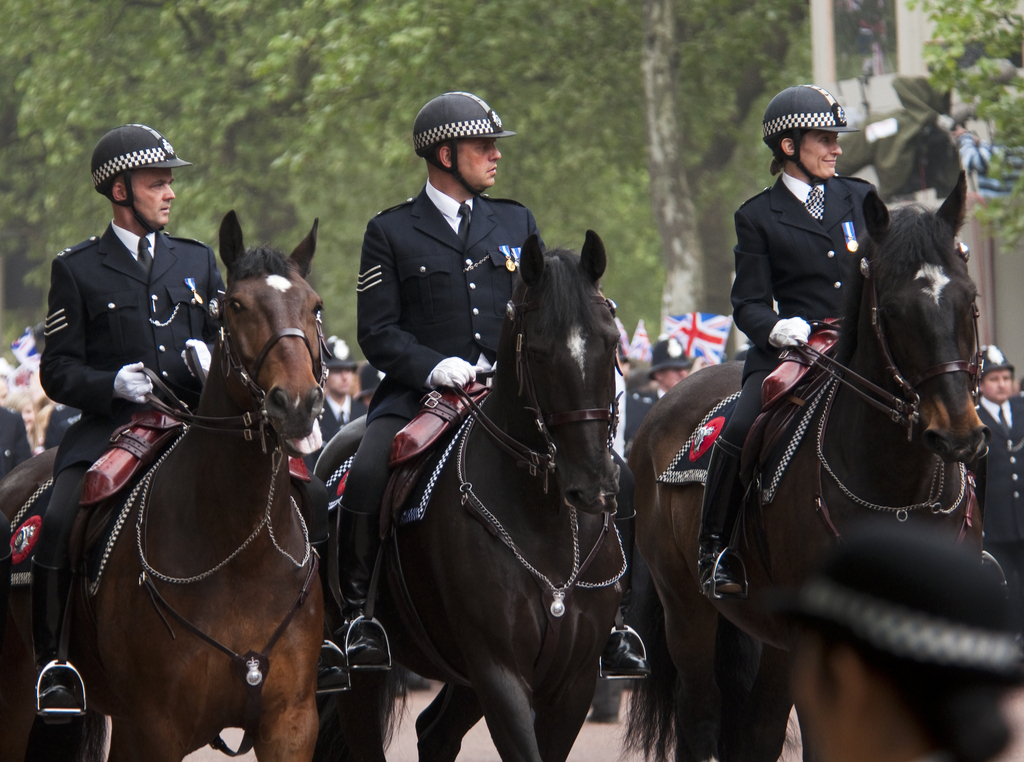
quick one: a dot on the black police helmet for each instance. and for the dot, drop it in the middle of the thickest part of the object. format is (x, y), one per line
(452, 116)
(132, 146)
(341, 356)
(668, 354)
(992, 359)
(803, 107)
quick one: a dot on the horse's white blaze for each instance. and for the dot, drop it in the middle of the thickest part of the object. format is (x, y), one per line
(936, 278)
(279, 282)
(576, 349)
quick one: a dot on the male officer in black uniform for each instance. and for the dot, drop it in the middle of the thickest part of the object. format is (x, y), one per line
(1003, 412)
(435, 276)
(133, 298)
(796, 242)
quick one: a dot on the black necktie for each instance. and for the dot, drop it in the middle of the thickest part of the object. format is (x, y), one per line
(465, 213)
(145, 258)
(815, 202)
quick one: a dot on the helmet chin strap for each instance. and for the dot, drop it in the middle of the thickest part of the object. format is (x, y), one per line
(453, 170)
(130, 202)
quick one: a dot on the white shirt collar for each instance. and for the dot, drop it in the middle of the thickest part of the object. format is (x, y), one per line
(798, 187)
(992, 407)
(448, 206)
(340, 407)
(131, 241)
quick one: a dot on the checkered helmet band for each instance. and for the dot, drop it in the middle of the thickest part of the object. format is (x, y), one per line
(130, 147)
(456, 115)
(806, 107)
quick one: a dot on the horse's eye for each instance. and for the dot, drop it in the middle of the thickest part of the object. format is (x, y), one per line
(235, 306)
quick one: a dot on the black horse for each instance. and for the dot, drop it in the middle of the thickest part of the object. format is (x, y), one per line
(908, 342)
(507, 587)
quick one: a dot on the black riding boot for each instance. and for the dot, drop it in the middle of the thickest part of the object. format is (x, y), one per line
(363, 640)
(60, 693)
(624, 655)
(722, 573)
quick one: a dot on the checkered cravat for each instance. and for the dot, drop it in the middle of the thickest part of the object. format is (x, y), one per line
(815, 202)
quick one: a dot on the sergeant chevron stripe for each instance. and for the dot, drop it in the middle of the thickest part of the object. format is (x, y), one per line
(55, 321)
(369, 279)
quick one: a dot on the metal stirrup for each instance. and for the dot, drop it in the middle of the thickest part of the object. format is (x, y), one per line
(60, 666)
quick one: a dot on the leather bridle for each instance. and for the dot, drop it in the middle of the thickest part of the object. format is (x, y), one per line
(903, 408)
(538, 463)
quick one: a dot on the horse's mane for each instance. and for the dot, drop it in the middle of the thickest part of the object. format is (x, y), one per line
(260, 260)
(916, 237)
(566, 292)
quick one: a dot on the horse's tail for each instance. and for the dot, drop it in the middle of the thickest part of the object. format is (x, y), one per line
(650, 726)
(83, 739)
(331, 742)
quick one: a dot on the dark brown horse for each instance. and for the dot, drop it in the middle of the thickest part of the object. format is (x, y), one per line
(507, 588)
(910, 331)
(214, 532)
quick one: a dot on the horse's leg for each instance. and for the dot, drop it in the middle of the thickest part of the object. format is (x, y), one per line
(757, 732)
(149, 736)
(558, 724)
(288, 732)
(441, 727)
(360, 715)
(17, 683)
(507, 705)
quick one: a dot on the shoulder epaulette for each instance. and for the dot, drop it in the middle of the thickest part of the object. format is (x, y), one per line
(396, 206)
(755, 197)
(188, 240)
(500, 200)
(78, 246)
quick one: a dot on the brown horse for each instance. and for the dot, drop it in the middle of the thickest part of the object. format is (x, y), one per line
(910, 331)
(507, 588)
(212, 553)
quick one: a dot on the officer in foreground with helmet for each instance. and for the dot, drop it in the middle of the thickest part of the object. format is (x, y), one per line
(796, 242)
(435, 275)
(132, 298)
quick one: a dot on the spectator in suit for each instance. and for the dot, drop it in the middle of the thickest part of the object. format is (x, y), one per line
(14, 444)
(669, 364)
(1003, 412)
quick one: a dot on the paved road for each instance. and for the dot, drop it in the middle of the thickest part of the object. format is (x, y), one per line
(596, 742)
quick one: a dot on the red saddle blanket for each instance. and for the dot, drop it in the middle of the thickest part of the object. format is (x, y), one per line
(136, 445)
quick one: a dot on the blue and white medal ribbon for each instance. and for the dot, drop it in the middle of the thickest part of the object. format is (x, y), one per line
(851, 236)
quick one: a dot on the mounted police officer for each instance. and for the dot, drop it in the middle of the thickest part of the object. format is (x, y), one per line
(130, 299)
(435, 276)
(794, 245)
(1003, 412)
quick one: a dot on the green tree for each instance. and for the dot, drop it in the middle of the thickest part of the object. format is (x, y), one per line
(972, 41)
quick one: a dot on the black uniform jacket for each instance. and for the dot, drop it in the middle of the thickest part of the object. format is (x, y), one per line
(102, 315)
(14, 446)
(784, 254)
(1004, 521)
(424, 296)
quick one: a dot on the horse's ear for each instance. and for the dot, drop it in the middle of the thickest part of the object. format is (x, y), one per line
(531, 261)
(231, 244)
(302, 257)
(593, 258)
(876, 215)
(954, 208)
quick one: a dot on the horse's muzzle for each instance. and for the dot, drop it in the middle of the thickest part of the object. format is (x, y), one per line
(953, 448)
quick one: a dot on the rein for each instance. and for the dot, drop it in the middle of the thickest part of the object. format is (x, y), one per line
(251, 422)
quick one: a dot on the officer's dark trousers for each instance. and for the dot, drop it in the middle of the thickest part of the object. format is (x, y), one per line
(52, 547)
(368, 478)
(748, 407)
(1010, 556)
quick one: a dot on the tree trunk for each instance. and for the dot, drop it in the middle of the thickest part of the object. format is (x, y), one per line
(671, 199)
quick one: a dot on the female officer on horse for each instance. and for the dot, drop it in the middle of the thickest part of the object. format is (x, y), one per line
(792, 244)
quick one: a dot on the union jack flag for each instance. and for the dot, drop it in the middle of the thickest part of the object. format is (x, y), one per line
(640, 347)
(623, 336)
(702, 334)
(24, 349)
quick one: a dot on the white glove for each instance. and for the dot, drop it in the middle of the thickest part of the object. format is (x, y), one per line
(202, 351)
(451, 371)
(132, 384)
(789, 332)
